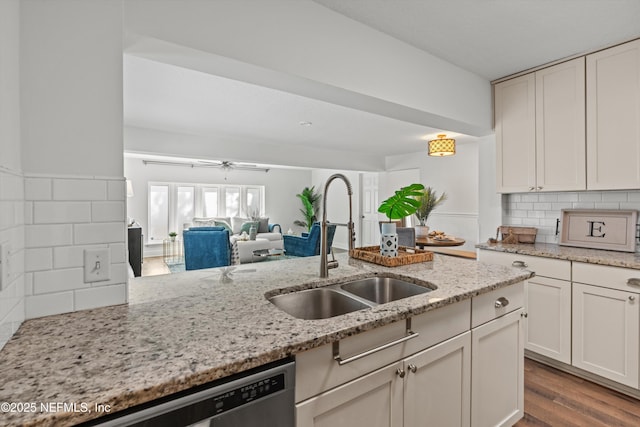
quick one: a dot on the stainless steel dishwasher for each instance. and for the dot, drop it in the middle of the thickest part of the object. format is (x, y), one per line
(262, 397)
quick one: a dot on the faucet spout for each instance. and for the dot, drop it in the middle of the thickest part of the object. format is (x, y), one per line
(324, 262)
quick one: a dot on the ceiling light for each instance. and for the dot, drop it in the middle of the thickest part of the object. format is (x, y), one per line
(442, 146)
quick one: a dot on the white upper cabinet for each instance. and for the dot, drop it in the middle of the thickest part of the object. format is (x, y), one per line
(560, 127)
(613, 118)
(540, 130)
(515, 118)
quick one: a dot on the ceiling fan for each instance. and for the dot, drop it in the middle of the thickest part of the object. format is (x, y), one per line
(225, 165)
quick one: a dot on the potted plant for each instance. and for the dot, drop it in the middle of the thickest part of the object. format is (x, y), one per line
(429, 200)
(310, 206)
(402, 204)
(172, 236)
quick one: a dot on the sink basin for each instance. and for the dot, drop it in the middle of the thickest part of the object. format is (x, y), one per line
(383, 289)
(320, 303)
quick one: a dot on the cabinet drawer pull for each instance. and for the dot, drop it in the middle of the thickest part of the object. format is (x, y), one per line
(632, 298)
(634, 281)
(413, 368)
(501, 302)
(519, 264)
(400, 373)
(336, 347)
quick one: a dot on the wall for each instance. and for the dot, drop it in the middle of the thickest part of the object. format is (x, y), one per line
(281, 187)
(11, 180)
(458, 176)
(489, 201)
(71, 140)
(541, 210)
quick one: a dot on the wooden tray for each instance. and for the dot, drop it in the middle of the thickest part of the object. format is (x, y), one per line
(523, 234)
(372, 254)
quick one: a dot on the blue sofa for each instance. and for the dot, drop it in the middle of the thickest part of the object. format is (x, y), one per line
(206, 247)
(309, 243)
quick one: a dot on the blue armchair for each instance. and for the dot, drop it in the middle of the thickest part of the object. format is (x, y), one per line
(206, 247)
(309, 243)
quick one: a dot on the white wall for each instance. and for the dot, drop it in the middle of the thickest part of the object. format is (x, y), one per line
(71, 140)
(458, 177)
(338, 202)
(281, 187)
(305, 48)
(489, 201)
(11, 180)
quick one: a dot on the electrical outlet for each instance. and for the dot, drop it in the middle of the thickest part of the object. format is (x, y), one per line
(97, 265)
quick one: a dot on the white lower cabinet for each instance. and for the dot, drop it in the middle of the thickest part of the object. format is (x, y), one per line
(497, 371)
(432, 386)
(437, 385)
(548, 321)
(374, 400)
(606, 332)
(421, 372)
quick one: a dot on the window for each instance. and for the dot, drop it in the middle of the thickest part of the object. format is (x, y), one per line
(158, 212)
(171, 206)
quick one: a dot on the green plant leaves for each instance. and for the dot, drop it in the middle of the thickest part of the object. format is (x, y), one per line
(310, 199)
(403, 203)
(429, 200)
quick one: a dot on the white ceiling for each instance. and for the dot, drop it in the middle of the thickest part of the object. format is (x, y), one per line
(496, 38)
(491, 38)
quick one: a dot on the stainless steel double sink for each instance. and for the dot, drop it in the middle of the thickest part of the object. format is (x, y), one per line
(346, 297)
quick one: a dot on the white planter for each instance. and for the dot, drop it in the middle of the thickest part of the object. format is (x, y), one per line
(422, 230)
(389, 240)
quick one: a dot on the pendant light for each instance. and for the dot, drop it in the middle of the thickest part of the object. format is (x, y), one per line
(442, 146)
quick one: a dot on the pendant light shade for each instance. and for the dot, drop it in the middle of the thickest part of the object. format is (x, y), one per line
(442, 146)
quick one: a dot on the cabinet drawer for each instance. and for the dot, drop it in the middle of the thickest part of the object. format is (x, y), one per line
(317, 371)
(547, 267)
(608, 277)
(491, 305)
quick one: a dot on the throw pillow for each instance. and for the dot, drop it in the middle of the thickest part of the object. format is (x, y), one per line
(236, 224)
(263, 225)
(246, 226)
(220, 223)
(203, 222)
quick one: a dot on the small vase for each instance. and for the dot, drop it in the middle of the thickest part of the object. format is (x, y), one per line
(252, 233)
(422, 230)
(389, 240)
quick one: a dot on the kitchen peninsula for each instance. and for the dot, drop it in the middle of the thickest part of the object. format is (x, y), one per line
(183, 330)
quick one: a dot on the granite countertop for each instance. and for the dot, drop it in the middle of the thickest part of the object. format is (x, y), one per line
(183, 330)
(549, 250)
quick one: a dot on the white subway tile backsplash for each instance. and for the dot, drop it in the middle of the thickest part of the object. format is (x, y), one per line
(630, 205)
(529, 198)
(614, 196)
(38, 189)
(38, 259)
(28, 213)
(530, 221)
(72, 256)
(100, 296)
(548, 197)
(525, 206)
(48, 235)
(107, 211)
(567, 197)
(536, 214)
(607, 205)
(28, 284)
(58, 280)
(118, 253)
(108, 232)
(116, 190)
(633, 196)
(590, 197)
(79, 189)
(561, 205)
(517, 213)
(48, 304)
(584, 205)
(61, 212)
(542, 206)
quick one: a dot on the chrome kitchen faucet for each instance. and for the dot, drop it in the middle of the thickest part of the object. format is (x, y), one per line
(325, 264)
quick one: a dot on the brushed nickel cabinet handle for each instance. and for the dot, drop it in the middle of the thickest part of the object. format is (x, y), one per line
(525, 315)
(633, 281)
(632, 298)
(521, 264)
(501, 302)
(400, 373)
(413, 368)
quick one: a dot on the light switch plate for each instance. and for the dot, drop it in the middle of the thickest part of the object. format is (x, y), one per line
(97, 265)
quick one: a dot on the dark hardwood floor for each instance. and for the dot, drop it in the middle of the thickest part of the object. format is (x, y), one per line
(555, 398)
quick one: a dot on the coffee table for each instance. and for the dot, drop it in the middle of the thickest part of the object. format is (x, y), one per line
(262, 254)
